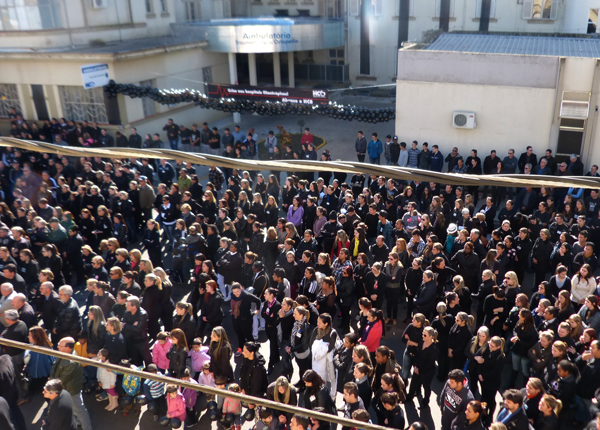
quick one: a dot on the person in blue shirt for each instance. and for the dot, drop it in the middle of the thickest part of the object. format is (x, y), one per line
(436, 160)
(374, 149)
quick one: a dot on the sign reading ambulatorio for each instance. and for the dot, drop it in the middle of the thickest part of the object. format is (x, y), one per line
(267, 38)
(273, 94)
(254, 36)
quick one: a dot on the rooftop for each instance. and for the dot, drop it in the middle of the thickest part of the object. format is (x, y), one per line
(517, 45)
(115, 50)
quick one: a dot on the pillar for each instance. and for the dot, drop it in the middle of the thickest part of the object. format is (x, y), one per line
(276, 69)
(233, 80)
(252, 69)
(292, 77)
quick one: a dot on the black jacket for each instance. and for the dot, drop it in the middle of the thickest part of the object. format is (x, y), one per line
(253, 376)
(230, 265)
(178, 358)
(50, 310)
(221, 366)
(245, 306)
(271, 314)
(211, 309)
(187, 324)
(17, 332)
(322, 398)
(68, 321)
(59, 415)
(96, 342)
(116, 345)
(342, 361)
(133, 332)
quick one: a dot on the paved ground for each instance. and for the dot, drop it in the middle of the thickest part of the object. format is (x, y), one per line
(340, 136)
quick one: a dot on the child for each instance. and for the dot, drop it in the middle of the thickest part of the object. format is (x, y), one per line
(160, 350)
(175, 404)
(207, 378)
(190, 396)
(198, 356)
(231, 406)
(108, 380)
(131, 386)
(154, 390)
(266, 420)
(221, 383)
(89, 372)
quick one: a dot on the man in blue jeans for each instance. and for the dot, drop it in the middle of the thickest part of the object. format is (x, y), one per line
(172, 130)
(374, 149)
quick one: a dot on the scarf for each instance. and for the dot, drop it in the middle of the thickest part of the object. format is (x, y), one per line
(505, 415)
(297, 329)
(236, 303)
(368, 328)
(322, 333)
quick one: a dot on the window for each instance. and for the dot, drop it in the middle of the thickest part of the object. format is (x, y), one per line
(353, 7)
(207, 75)
(540, 9)
(411, 7)
(9, 97)
(492, 9)
(193, 10)
(148, 104)
(438, 8)
(592, 21)
(149, 6)
(29, 15)
(163, 6)
(80, 104)
(222, 9)
(377, 6)
(336, 57)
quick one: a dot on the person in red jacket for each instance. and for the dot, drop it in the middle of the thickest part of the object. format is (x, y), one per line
(374, 330)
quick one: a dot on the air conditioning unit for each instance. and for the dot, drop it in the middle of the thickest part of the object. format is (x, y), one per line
(98, 4)
(464, 120)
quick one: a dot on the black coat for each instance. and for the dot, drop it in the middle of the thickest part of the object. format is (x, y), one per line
(116, 345)
(342, 361)
(177, 360)
(322, 398)
(50, 310)
(96, 342)
(212, 310)
(221, 365)
(60, 413)
(187, 324)
(253, 376)
(68, 321)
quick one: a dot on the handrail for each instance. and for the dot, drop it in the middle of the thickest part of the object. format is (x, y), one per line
(202, 388)
(404, 173)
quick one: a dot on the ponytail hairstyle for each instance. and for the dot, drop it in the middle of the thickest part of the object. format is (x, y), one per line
(431, 332)
(391, 399)
(378, 313)
(552, 402)
(188, 308)
(499, 342)
(478, 407)
(441, 310)
(420, 318)
(394, 380)
(465, 317)
(364, 368)
(330, 280)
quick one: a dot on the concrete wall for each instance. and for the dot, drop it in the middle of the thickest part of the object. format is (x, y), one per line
(119, 20)
(507, 115)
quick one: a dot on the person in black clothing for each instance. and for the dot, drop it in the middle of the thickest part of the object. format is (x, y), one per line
(59, 414)
(152, 242)
(270, 313)
(490, 372)
(424, 367)
(253, 375)
(135, 332)
(242, 313)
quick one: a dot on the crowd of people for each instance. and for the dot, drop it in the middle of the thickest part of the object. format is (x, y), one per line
(324, 265)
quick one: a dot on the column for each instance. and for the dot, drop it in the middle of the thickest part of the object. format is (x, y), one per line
(252, 67)
(276, 69)
(292, 77)
(233, 79)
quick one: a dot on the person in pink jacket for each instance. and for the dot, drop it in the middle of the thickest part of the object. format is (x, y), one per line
(159, 351)
(175, 404)
(374, 330)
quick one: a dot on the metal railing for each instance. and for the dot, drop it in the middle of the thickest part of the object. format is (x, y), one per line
(201, 388)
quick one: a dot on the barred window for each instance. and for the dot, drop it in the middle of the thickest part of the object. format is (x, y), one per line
(148, 104)
(80, 104)
(9, 97)
(207, 75)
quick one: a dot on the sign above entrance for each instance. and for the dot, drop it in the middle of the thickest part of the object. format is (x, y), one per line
(94, 75)
(304, 96)
(264, 35)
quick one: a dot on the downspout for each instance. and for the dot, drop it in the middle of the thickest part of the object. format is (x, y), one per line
(365, 56)
(553, 143)
(594, 112)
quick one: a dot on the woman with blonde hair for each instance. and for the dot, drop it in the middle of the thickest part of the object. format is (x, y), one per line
(151, 242)
(145, 267)
(550, 408)
(96, 331)
(151, 303)
(424, 367)
(167, 306)
(475, 352)
(281, 391)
